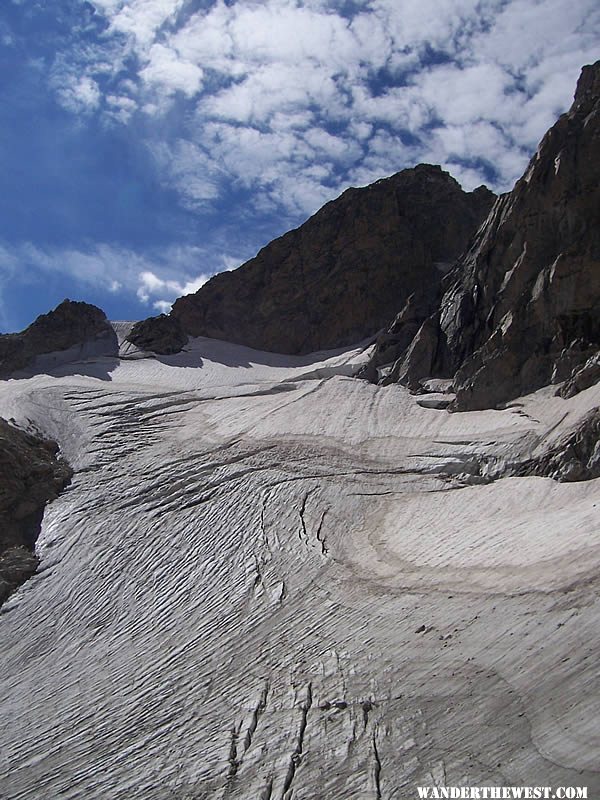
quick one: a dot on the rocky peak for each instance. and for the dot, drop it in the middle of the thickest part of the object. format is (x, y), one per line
(521, 309)
(163, 335)
(588, 88)
(70, 324)
(343, 274)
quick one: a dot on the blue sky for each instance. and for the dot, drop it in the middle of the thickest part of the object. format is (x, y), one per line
(147, 144)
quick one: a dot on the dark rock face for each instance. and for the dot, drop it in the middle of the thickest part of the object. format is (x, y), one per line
(31, 474)
(71, 324)
(343, 274)
(522, 307)
(576, 457)
(582, 378)
(163, 335)
(398, 338)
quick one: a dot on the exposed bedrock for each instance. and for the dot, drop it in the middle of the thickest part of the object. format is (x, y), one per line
(31, 474)
(574, 457)
(163, 335)
(522, 308)
(71, 331)
(571, 456)
(343, 274)
(582, 377)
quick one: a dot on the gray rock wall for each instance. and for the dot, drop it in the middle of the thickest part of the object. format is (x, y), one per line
(344, 274)
(31, 474)
(522, 307)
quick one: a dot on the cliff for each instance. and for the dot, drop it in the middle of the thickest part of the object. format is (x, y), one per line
(521, 309)
(342, 275)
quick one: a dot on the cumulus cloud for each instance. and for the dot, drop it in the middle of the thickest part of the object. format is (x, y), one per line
(257, 113)
(168, 72)
(139, 20)
(277, 87)
(190, 170)
(79, 94)
(284, 103)
(152, 286)
(120, 107)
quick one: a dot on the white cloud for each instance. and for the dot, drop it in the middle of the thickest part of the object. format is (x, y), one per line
(120, 107)
(287, 169)
(151, 285)
(162, 306)
(229, 263)
(166, 71)
(101, 266)
(290, 101)
(458, 95)
(79, 94)
(433, 23)
(156, 279)
(454, 145)
(191, 171)
(468, 177)
(259, 112)
(139, 19)
(275, 88)
(336, 148)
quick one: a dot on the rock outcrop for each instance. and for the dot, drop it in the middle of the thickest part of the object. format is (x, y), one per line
(163, 335)
(398, 337)
(73, 328)
(575, 457)
(521, 309)
(582, 378)
(343, 274)
(31, 474)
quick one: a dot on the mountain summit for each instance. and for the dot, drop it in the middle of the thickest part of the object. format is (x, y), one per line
(341, 275)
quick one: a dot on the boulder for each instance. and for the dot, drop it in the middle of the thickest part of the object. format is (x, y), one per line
(163, 335)
(582, 378)
(575, 457)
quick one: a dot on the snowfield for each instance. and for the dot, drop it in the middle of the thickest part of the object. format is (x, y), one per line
(269, 580)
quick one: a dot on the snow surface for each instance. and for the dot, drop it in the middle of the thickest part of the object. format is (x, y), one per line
(271, 580)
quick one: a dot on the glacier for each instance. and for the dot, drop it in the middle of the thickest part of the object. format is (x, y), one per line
(270, 580)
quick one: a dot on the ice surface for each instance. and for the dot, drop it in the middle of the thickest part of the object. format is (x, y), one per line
(271, 580)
